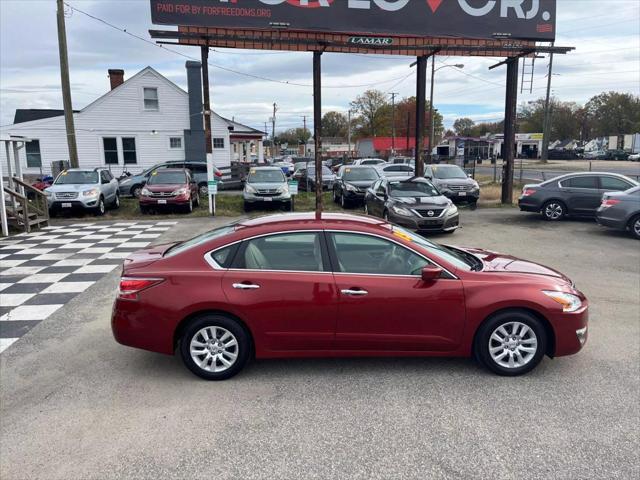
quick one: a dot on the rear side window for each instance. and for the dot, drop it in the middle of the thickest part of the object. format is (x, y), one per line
(614, 184)
(581, 182)
(300, 252)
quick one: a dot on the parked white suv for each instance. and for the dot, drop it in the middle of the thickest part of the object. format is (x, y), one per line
(83, 189)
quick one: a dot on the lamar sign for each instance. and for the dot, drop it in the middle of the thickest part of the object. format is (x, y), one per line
(483, 19)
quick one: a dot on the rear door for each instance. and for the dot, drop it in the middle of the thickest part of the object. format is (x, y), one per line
(283, 286)
(384, 304)
(582, 194)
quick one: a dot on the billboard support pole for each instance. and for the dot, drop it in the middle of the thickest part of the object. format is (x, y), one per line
(511, 104)
(317, 127)
(421, 108)
(207, 97)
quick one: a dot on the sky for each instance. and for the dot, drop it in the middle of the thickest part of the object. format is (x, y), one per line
(606, 34)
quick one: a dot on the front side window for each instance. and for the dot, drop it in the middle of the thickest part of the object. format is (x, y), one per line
(151, 101)
(218, 143)
(614, 184)
(110, 145)
(129, 150)
(105, 176)
(364, 254)
(300, 252)
(34, 159)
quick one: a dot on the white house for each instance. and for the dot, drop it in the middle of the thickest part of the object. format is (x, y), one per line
(139, 123)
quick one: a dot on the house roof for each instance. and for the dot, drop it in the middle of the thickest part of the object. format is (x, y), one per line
(385, 143)
(236, 128)
(29, 114)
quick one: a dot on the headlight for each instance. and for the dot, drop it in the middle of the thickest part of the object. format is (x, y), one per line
(402, 211)
(570, 303)
(94, 192)
(48, 193)
(146, 192)
(350, 188)
(283, 190)
(249, 189)
(452, 209)
(475, 185)
(181, 191)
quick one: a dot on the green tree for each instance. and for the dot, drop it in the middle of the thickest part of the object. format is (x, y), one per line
(293, 136)
(373, 113)
(613, 113)
(464, 127)
(334, 124)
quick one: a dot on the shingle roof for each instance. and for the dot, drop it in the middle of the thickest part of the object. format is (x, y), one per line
(29, 114)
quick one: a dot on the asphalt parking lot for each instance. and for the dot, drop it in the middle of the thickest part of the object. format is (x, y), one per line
(76, 405)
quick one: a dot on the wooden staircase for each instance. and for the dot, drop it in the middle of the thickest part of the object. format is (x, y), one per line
(24, 213)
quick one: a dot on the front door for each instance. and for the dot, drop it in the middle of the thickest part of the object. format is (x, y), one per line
(385, 305)
(282, 286)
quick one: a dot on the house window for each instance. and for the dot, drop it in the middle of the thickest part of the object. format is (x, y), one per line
(151, 99)
(218, 143)
(110, 145)
(34, 159)
(175, 143)
(129, 150)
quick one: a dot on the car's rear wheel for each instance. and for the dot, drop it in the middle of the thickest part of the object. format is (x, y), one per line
(511, 343)
(116, 202)
(634, 226)
(554, 211)
(343, 202)
(215, 347)
(335, 196)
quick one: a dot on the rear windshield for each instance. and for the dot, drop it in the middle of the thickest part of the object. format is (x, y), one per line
(199, 240)
(360, 174)
(265, 176)
(163, 178)
(412, 189)
(77, 178)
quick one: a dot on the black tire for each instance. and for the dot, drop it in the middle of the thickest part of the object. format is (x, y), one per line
(197, 201)
(385, 216)
(101, 208)
(135, 191)
(473, 205)
(247, 207)
(344, 203)
(203, 189)
(634, 227)
(242, 351)
(288, 207)
(116, 202)
(335, 196)
(144, 210)
(554, 210)
(507, 318)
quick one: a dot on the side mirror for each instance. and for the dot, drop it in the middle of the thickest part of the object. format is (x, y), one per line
(468, 175)
(431, 273)
(428, 177)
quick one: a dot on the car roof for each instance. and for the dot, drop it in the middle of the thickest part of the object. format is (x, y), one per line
(308, 219)
(174, 170)
(275, 169)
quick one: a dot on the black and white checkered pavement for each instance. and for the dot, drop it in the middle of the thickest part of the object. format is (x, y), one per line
(41, 271)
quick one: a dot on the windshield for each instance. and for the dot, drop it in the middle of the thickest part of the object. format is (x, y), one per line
(458, 258)
(77, 178)
(412, 189)
(325, 171)
(266, 176)
(166, 178)
(199, 240)
(448, 171)
(360, 174)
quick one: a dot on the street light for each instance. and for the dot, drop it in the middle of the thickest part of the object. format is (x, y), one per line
(433, 126)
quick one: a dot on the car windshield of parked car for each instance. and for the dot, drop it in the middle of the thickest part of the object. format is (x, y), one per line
(448, 172)
(199, 240)
(167, 178)
(412, 189)
(266, 176)
(77, 178)
(458, 258)
(325, 171)
(360, 174)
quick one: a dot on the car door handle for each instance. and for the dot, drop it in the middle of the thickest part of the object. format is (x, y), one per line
(355, 293)
(245, 286)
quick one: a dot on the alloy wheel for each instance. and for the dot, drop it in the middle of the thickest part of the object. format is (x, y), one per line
(214, 349)
(554, 211)
(204, 190)
(513, 345)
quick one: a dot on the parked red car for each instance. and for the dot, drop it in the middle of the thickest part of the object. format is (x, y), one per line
(293, 286)
(170, 187)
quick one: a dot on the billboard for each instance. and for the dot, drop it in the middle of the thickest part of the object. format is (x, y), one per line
(483, 19)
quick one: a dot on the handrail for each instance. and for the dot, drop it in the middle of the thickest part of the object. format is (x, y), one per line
(13, 193)
(41, 205)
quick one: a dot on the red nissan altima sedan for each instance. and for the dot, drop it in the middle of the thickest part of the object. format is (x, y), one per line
(293, 286)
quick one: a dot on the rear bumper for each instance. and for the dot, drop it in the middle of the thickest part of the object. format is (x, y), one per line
(527, 204)
(470, 196)
(141, 327)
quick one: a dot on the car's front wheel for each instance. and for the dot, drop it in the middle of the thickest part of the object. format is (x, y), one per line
(634, 226)
(511, 343)
(101, 208)
(554, 211)
(215, 347)
(136, 190)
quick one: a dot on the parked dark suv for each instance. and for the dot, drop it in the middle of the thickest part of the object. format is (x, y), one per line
(577, 194)
(454, 183)
(352, 183)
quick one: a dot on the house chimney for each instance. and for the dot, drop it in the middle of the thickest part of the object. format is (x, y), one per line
(116, 77)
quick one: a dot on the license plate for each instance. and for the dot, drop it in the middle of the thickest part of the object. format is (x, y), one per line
(162, 202)
(268, 199)
(462, 194)
(66, 205)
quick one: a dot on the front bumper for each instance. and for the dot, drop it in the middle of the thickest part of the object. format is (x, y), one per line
(469, 196)
(354, 197)
(446, 223)
(605, 219)
(164, 202)
(76, 204)
(251, 198)
(571, 331)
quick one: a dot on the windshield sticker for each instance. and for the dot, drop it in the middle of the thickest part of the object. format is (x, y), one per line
(253, 171)
(154, 173)
(64, 173)
(402, 235)
(347, 170)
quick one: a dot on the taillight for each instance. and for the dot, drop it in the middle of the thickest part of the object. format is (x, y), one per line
(218, 174)
(528, 191)
(609, 202)
(130, 287)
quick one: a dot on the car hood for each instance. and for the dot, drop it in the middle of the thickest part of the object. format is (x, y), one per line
(168, 187)
(266, 186)
(74, 187)
(503, 263)
(439, 201)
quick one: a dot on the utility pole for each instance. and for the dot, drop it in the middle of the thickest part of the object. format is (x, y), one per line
(304, 128)
(349, 131)
(432, 124)
(66, 87)
(393, 123)
(546, 130)
(408, 129)
(273, 132)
